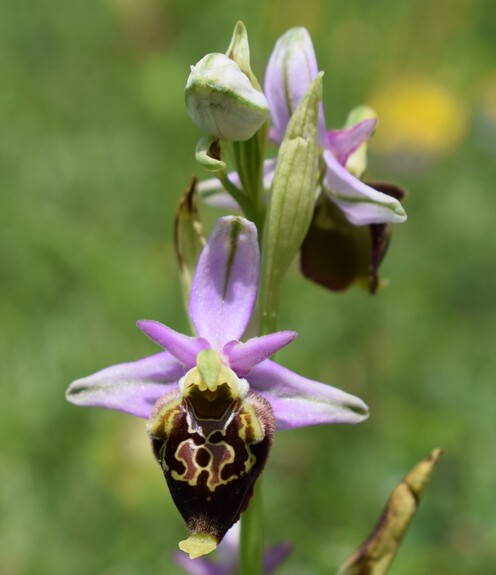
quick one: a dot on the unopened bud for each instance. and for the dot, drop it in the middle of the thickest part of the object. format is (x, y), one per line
(222, 101)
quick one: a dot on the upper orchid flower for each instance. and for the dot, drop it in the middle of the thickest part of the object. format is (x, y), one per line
(292, 68)
(213, 402)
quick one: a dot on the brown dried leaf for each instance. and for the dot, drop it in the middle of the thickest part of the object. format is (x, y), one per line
(375, 555)
(188, 237)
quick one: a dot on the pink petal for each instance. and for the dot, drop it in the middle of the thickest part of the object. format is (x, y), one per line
(361, 204)
(132, 387)
(183, 347)
(291, 69)
(298, 401)
(344, 142)
(243, 356)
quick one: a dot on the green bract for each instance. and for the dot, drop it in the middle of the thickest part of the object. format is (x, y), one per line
(292, 196)
(222, 101)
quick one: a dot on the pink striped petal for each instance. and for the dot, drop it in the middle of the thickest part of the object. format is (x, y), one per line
(361, 204)
(225, 285)
(291, 69)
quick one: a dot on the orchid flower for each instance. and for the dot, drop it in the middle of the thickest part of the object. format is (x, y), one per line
(212, 402)
(228, 557)
(352, 221)
(291, 69)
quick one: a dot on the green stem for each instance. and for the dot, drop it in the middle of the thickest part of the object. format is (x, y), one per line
(249, 163)
(244, 202)
(252, 534)
(268, 320)
(268, 297)
(240, 166)
(252, 537)
(248, 159)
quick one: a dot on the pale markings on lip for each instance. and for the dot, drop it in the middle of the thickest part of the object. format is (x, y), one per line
(220, 453)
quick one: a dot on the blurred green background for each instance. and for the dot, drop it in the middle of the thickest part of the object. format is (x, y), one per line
(95, 150)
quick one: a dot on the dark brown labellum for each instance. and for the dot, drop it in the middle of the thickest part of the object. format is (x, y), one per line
(336, 254)
(211, 462)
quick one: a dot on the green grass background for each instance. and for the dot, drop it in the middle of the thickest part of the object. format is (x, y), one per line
(95, 150)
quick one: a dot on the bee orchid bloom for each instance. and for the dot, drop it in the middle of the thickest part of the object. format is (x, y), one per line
(213, 402)
(291, 69)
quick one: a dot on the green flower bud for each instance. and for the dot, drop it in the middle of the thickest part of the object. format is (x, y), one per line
(222, 101)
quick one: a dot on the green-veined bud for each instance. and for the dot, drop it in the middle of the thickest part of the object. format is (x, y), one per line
(222, 101)
(357, 162)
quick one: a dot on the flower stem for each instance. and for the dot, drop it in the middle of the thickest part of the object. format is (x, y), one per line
(252, 536)
(252, 532)
(247, 206)
(249, 161)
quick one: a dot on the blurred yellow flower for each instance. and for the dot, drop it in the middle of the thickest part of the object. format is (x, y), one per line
(418, 115)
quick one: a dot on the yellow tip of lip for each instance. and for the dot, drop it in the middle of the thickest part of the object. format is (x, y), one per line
(198, 544)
